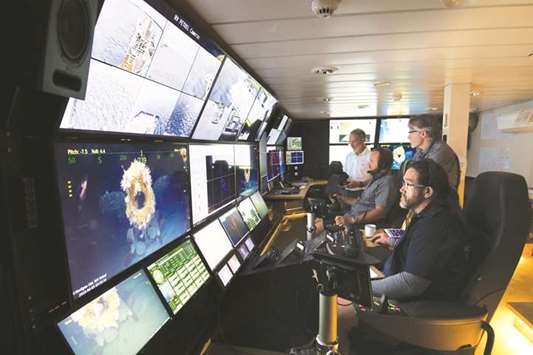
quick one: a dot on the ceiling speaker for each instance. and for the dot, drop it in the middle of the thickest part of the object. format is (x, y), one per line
(67, 47)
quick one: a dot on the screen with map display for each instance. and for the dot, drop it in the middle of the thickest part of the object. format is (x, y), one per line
(147, 75)
(119, 322)
(120, 203)
(179, 274)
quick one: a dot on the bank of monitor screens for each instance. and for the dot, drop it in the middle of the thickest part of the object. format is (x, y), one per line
(120, 203)
(339, 130)
(249, 213)
(234, 226)
(213, 243)
(294, 143)
(228, 105)
(146, 76)
(295, 157)
(394, 130)
(259, 204)
(256, 120)
(179, 274)
(120, 321)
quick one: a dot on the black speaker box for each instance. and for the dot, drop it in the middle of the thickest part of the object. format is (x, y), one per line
(63, 33)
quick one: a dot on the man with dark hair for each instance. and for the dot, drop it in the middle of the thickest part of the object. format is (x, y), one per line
(379, 195)
(356, 162)
(423, 136)
(429, 261)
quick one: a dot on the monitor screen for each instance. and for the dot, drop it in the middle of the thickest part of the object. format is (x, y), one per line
(247, 173)
(234, 226)
(212, 178)
(394, 130)
(134, 85)
(295, 157)
(339, 130)
(228, 105)
(234, 264)
(225, 275)
(263, 163)
(284, 132)
(400, 153)
(294, 143)
(249, 214)
(250, 244)
(257, 117)
(273, 164)
(243, 251)
(179, 274)
(259, 204)
(120, 203)
(120, 321)
(213, 243)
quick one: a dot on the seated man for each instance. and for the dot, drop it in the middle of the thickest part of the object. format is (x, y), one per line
(429, 261)
(379, 195)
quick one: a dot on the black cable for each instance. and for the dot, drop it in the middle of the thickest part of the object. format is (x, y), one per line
(490, 337)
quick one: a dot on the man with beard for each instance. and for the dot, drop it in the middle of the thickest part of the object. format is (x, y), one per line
(379, 196)
(429, 261)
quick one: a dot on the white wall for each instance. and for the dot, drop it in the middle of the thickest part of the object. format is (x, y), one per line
(492, 149)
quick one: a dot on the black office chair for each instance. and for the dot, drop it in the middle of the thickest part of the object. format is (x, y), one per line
(497, 215)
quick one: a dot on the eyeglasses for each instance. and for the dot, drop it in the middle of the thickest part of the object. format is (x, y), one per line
(406, 185)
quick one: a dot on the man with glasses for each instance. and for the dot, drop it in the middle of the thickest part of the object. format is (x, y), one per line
(378, 197)
(356, 162)
(429, 261)
(423, 137)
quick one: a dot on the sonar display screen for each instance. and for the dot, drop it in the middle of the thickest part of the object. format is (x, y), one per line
(147, 75)
(120, 203)
(179, 274)
(119, 322)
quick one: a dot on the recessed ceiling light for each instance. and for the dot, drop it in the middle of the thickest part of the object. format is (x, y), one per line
(361, 107)
(475, 93)
(452, 3)
(397, 96)
(324, 70)
(432, 108)
(327, 99)
(380, 84)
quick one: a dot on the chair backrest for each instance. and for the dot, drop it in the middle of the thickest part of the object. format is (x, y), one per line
(497, 218)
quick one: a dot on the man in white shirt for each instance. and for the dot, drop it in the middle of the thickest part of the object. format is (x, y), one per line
(356, 162)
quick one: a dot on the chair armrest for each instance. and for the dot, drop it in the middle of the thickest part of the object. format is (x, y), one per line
(440, 326)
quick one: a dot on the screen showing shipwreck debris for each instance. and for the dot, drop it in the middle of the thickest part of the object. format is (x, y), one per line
(148, 74)
(120, 203)
(119, 322)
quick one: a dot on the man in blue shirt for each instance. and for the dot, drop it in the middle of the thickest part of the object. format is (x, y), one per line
(429, 261)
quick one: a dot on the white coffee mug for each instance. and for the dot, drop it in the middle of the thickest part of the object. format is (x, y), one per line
(370, 230)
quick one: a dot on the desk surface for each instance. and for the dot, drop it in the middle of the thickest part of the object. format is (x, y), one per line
(298, 196)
